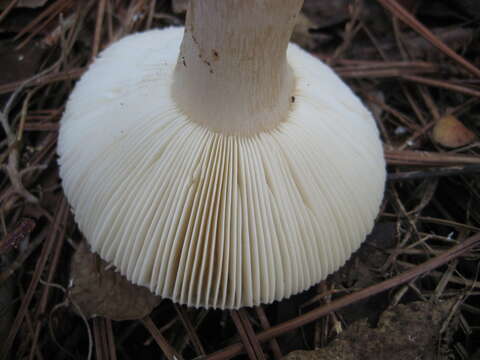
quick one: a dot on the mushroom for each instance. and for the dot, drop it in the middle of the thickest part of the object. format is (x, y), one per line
(224, 170)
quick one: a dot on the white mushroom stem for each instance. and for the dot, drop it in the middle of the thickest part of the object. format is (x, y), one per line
(232, 74)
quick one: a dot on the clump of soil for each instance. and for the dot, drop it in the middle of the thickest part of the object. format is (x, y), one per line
(403, 332)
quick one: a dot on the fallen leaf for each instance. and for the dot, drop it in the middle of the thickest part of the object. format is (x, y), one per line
(451, 133)
(98, 290)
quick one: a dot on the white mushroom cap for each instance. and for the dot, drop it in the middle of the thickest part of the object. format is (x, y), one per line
(210, 219)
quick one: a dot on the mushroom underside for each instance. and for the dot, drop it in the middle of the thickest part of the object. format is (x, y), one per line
(212, 220)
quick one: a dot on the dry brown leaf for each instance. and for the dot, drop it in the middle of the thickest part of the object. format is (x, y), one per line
(451, 133)
(98, 290)
(403, 332)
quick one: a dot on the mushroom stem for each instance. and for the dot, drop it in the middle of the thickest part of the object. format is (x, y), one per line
(232, 74)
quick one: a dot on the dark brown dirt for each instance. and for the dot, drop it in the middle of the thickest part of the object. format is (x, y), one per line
(404, 332)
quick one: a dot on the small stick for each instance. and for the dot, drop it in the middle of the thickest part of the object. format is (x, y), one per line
(252, 352)
(98, 28)
(44, 80)
(441, 84)
(110, 339)
(401, 13)
(277, 353)
(7, 10)
(434, 173)
(167, 349)
(60, 218)
(22, 230)
(312, 315)
(187, 324)
(425, 158)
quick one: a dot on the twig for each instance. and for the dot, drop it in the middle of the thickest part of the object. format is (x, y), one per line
(277, 353)
(417, 134)
(12, 167)
(187, 324)
(151, 13)
(100, 349)
(21, 231)
(167, 349)
(61, 215)
(7, 10)
(402, 118)
(434, 173)
(441, 84)
(42, 305)
(351, 29)
(36, 26)
(387, 69)
(335, 305)
(251, 344)
(425, 158)
(400, 12)
(98, 28)
(110, 339)
(104, 340)
(44, 79)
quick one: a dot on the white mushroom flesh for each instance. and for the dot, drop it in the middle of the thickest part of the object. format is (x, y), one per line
(210, 219)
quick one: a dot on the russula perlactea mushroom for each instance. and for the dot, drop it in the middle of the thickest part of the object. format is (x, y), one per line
(227, 169)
